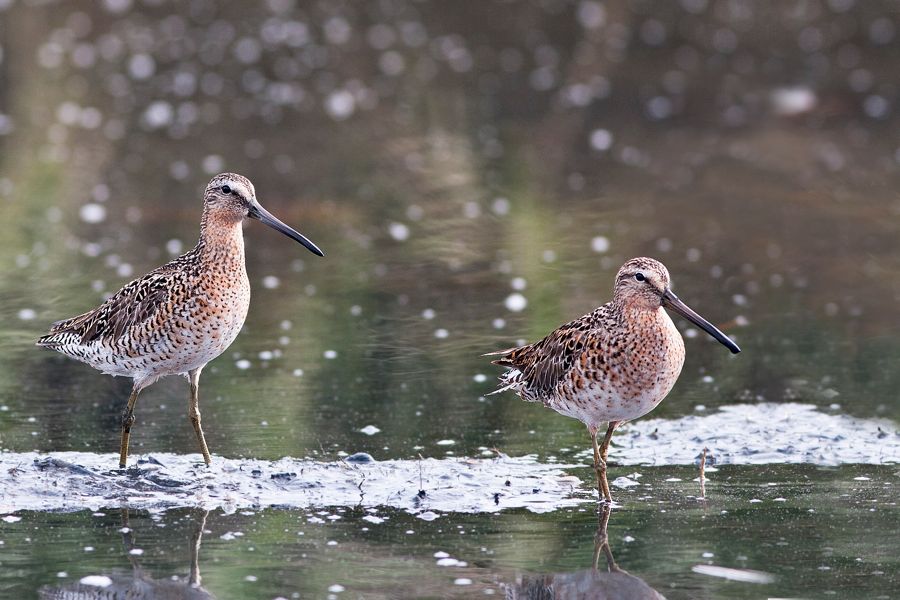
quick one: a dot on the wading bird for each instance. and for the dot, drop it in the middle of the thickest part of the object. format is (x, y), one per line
(177, 318)
(612, 365)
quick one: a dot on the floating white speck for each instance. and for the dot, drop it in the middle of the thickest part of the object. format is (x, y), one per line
(369, 430)
(479, 378)
(755, 500)
(62, 574)
(428, 314)
(243, 364)
(271, 282)
(498, 323)
(298, 372)
(441, 554)
(174, 246)
(159, 114)
(27, 314)
(462, 581)
(11, 519)
(447, 562)
(398, 231)
(591, 15)
(861, 479)
(96, 581)
(601, 139)
(247, 50)
(336, 588)
(518, 283)
(441, 333)
(117, 6)
(624, 482)
(213, 163)
(628, 539)
(428, 515)
(516, 302)
(251, 578)
(600, 244)
(500, 206)
(141, 66)
(707, 555)
(373, 519)
(446, 442)
(92, 213)
(330, 354)
(136, 552)
(340, 104)
(792, 101)
(744, 575)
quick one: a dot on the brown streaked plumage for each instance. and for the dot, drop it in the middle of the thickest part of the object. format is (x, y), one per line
(612, 365)
(180, 316)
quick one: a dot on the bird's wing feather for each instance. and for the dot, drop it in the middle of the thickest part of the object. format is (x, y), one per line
(135, 303)
(544, 364)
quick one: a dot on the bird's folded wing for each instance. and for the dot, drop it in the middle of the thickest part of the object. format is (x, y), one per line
(135, 303)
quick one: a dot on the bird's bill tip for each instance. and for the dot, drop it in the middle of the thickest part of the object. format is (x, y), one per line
(263, 216)
(670, 300)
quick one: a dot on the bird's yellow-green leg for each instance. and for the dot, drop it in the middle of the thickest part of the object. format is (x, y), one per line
(194, 413)
(604, 450)
(127, 422)
(600, 468)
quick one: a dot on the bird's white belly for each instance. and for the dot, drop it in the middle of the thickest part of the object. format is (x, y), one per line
(595, 405)
(181, 344)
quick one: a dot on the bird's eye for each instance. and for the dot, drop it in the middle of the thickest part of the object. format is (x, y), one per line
(226, 189)
(640, 277)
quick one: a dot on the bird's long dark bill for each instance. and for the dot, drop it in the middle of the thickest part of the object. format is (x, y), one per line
(670, 300)
(264, 216)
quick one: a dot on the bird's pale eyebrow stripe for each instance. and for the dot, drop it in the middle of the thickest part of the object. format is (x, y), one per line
(238, 187)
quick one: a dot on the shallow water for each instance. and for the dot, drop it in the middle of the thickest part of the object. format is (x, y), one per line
(475, 175)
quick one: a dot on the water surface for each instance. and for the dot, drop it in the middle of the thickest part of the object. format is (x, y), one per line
(476, 174)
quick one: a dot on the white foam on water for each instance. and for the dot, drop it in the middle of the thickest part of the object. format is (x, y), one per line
(70, 481)
(757, 434)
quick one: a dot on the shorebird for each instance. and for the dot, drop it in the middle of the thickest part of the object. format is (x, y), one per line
(178, 317)
(612, 365)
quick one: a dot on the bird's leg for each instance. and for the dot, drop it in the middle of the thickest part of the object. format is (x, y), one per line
(194, 413)
(604, 450)
(194, 578)
(127, 422)
(599, 466)
(601, 539)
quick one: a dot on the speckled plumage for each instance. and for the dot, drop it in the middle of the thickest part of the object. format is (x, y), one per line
(612, 365)
(180, 316)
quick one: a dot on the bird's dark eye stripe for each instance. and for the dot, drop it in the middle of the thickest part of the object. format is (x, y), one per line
(226, 189)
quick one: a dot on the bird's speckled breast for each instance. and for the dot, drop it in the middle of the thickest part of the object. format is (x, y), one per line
(626, 376)
(211, 317)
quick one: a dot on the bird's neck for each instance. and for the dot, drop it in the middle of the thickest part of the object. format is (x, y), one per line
(221, 238)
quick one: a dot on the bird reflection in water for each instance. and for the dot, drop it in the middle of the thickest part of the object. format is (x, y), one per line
(139, 585)
(607, 582)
